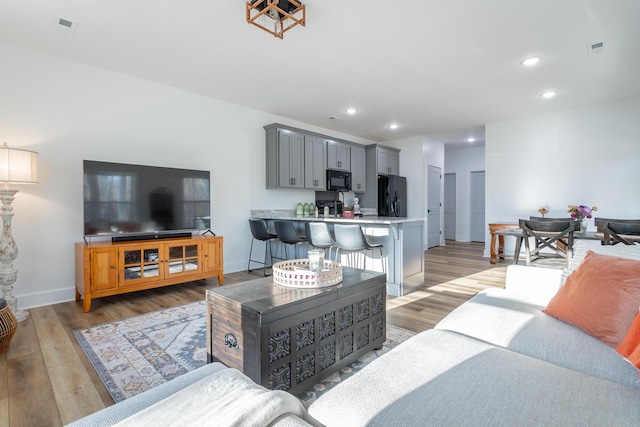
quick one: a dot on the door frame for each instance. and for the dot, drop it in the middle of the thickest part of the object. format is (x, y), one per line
(482, 230)
(450, 175)
(437, 208)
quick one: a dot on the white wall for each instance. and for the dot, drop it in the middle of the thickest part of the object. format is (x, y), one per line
(462, 162)
(588, 156)
(68, 111)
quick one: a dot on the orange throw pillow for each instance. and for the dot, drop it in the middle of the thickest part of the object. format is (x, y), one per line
(630, 346)
(601, 297)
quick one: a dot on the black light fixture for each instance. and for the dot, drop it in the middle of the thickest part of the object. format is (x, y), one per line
(275, 16)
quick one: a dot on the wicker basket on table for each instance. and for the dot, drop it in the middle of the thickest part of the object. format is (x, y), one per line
(8, 326)
(295, 273)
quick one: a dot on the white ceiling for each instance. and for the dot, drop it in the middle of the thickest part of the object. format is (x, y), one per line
(437, 68)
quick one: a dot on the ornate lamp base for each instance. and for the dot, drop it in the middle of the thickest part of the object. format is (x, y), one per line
(8, 252)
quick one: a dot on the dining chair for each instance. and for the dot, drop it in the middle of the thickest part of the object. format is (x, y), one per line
(575, 220)
(622, 231)
(554, 236)
(577, 229)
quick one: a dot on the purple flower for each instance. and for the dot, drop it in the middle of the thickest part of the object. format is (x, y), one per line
(581, 211)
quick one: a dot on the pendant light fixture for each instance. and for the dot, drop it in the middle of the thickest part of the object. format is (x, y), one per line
(275, 16)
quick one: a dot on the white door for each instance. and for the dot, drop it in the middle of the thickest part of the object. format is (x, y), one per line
(478, 225)
(449, 206)
(433, 206)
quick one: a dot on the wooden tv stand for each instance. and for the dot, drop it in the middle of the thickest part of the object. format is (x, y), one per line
(106, 268)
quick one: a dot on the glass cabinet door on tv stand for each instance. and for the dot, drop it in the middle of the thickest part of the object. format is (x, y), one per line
(141, 263)
(183, 259)
(154, 261)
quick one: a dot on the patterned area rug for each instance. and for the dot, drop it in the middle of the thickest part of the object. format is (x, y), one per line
(141, 352)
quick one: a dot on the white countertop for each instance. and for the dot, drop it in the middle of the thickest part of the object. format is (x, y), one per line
(385, 220)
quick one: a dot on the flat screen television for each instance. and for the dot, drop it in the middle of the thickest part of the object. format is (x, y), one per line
(135, 201)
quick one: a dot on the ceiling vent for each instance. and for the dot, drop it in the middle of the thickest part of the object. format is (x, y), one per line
(596, 48)
(64, 25)
(335, 118)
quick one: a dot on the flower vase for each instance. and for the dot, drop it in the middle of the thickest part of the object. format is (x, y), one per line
(583, 225)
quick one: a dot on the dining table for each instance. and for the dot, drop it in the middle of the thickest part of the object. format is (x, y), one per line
(499, 230)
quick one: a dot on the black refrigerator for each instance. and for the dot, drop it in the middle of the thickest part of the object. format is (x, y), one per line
(392, 195)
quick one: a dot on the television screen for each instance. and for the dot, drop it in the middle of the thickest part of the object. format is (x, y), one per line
(134, 199)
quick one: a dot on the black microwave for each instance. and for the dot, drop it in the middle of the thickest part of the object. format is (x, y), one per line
(338, 180)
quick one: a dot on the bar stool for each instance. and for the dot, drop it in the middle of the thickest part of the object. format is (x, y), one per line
(287, 234)
(259, 231)
(319, 236)
(350, 238)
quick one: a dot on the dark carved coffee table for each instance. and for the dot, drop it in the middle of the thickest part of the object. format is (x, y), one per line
(289, 339)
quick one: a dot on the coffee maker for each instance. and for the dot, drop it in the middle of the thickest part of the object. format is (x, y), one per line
(335, 206)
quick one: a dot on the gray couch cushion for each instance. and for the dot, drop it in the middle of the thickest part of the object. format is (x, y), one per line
(442, 378)
(505, 319)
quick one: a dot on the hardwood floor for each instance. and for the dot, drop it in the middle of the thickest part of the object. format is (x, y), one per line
(46, 379)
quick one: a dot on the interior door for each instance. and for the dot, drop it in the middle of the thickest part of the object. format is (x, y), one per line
(478, 225)
(449, 206)
(434, 178)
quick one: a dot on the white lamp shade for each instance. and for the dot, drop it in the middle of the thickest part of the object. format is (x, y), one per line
(18, 166)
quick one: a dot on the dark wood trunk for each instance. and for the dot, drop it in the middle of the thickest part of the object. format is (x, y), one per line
(288, 338)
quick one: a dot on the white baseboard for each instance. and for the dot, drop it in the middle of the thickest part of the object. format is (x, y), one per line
(234, 267)
(41, 299)
(57, 296)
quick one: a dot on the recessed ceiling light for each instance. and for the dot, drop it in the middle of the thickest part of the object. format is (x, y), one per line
(351, 110)
(531, 61)
(471, 139)
(549, 94)
(393, 126)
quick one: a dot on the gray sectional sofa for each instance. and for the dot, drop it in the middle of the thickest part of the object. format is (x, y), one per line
(497, 360)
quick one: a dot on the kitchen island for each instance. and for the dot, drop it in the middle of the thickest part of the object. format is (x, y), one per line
(402, 238)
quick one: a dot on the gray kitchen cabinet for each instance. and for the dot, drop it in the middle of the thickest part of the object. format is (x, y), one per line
(338, 156)
(358, 169)
(380, 160)
(315, 163)
(297, 158)
(285, 158)
(388, 161)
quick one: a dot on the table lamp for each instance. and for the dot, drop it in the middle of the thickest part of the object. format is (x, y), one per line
(16, 167)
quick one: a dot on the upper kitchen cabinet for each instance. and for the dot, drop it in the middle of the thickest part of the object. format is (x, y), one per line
(285, 158)
(387, 159)
(315, 162)
(380, 160)
(358, 169)
(297, 158)
(338, 155)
